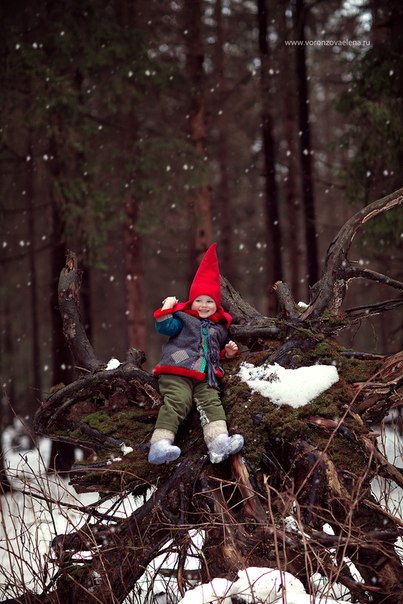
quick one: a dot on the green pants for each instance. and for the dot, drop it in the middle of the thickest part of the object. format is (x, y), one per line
(179, 393)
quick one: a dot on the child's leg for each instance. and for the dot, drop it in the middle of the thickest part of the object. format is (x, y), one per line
(220, 445)
(208, 403)
(177, 393)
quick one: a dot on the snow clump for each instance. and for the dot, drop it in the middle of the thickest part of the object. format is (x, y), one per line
(113, 364)
(254, 585)
(295, 387)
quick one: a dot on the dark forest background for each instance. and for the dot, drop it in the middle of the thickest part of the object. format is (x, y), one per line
(138, 132)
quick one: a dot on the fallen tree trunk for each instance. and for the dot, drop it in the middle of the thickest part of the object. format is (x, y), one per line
(300, 469)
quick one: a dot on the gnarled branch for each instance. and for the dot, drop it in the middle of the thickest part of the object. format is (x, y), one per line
(328, 293)
(73, 330)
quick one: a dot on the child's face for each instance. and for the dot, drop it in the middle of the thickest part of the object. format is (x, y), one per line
(204, 305)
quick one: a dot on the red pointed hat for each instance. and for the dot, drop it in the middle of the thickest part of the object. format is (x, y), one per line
(206, 281)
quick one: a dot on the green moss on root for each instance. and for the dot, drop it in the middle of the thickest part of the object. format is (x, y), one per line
(263, 423)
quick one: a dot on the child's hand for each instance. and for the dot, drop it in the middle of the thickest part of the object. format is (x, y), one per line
(231, 349)
(169, 302)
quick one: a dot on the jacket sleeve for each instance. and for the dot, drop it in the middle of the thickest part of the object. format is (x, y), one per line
(166, 323)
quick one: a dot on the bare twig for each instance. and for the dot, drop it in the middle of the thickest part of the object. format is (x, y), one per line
(328, 293)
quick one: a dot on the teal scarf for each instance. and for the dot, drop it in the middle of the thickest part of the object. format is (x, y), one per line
(211, 353)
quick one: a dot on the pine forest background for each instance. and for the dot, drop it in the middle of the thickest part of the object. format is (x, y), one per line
(136, 133)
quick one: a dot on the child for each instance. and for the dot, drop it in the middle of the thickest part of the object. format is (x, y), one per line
(190, 366)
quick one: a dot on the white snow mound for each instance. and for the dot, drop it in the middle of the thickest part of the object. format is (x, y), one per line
(295, 387)
(254, 585)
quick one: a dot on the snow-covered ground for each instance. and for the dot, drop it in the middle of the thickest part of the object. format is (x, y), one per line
(43, 505)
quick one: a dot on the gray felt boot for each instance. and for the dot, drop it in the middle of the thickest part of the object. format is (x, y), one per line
(162, 450)
(219, 444)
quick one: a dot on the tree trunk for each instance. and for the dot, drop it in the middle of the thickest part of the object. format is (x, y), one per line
(305, 149)
(35, 339)
(293, 230)
(274, 247)
(300, 467)
(136, 319)
(62, 454)
(130, 16)
(223, 189)
(200, 200)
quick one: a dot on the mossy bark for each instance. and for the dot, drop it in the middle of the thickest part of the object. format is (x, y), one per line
(267, 506)
(314, 463)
